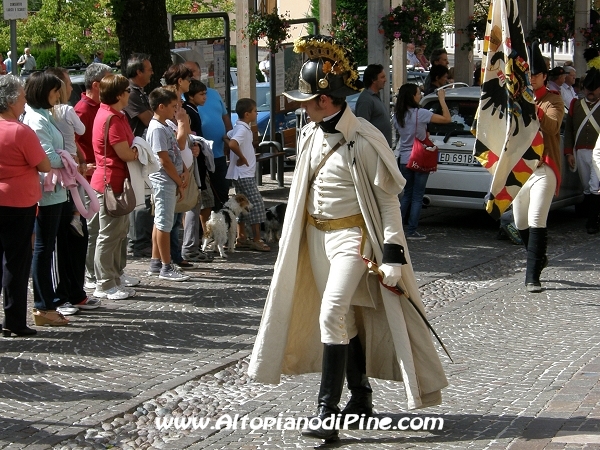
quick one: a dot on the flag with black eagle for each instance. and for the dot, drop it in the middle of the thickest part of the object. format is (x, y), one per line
(509, 143)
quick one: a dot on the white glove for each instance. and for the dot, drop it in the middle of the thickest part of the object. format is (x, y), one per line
(431, 149)
(391, 274)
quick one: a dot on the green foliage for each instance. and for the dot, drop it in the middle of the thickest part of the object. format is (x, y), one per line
(80, 27)
(46, 57)
(413, 21)
(270, 26)
(350, 29)
(477, 24)
(555, 22)
(591, 33)
(199, 29)
(85, 26)
(232, 57)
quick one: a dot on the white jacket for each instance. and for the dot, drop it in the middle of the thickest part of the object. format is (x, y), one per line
(140, 169)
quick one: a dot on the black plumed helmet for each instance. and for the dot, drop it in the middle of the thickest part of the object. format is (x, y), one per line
(591, 82)
(537, 61)
(329, 70)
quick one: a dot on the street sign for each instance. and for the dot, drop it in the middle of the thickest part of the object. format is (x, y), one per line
(15, 9)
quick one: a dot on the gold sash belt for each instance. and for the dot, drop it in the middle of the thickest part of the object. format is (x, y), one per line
(337, 224)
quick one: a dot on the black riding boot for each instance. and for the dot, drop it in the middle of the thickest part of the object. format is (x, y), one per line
(536, 251)
(330, 392)
(361, 401)
(592, 225)
(525, 237)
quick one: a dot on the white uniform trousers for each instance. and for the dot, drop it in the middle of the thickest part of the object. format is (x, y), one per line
(587, 174)
(337, 268)
(532, 203)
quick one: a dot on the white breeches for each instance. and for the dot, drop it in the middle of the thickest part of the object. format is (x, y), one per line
(337, 268)
(531, 206)
(587, 173)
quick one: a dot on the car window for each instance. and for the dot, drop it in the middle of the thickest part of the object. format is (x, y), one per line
(263, 97)
(462, 112)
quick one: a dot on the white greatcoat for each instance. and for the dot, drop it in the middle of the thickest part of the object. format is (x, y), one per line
(398, 344)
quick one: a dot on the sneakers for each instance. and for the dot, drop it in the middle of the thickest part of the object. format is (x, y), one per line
(89, 284)
(198, 257)
(76, 226)
(155, 266)
(67, 309)
(129, 281)
(114, 293)
(168, 272)
(88, 303)
(416, 236)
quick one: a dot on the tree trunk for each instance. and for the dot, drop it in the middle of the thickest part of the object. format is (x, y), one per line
(142, 28)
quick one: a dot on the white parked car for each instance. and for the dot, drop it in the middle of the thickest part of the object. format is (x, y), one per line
(460, 181)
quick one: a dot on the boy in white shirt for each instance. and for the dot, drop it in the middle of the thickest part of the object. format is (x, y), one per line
(242, 168)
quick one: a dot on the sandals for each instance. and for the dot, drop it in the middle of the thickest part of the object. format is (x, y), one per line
(259, 246)
(242, 243)
(50, 317)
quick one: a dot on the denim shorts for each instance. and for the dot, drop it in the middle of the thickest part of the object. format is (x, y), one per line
(165, 197)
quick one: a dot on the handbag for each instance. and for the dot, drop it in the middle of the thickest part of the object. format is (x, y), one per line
(421, 159)
(191, 194)
(124, 203)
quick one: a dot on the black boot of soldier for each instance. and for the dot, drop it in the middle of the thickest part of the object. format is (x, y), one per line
(536, 252)
(593, 225)
(361, 400)
(330, 392)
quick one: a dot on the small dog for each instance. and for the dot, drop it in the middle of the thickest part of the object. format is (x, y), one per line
(274, 222)
(222, 225)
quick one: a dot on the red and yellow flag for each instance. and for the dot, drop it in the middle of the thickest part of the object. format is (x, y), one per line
(508, 139)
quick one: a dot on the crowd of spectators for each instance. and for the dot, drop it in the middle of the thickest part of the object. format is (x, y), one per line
(60, 230)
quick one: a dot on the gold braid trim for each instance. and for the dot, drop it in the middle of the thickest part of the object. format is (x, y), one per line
(326, 47)
(594, 62)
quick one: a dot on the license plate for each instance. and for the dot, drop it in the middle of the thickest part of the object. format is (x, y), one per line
(458, 159)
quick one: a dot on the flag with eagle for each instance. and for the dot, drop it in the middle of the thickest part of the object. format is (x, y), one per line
(509, 143)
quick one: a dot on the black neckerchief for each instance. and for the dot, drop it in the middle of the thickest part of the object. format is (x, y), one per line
(329, 126)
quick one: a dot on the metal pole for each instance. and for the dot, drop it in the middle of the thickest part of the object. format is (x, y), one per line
(13, 46)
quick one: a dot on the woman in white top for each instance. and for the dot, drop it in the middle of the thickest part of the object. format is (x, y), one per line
(411, 123)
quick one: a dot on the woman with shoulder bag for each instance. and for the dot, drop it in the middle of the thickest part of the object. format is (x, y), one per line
(112, 149)
(411, 123)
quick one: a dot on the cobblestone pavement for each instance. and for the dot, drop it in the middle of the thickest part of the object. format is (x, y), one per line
(526, 372)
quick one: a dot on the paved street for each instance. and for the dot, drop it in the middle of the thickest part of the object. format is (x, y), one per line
(526, 372)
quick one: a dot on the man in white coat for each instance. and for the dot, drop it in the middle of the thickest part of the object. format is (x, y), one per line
(324, 310)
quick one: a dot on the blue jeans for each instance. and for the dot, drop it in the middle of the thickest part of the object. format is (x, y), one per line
(175, 242)
(218, 182)
(412, 199)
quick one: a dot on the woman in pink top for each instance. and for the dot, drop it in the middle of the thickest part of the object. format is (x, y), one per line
(22, 158)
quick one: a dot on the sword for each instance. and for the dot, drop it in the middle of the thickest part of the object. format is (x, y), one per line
(373, 267)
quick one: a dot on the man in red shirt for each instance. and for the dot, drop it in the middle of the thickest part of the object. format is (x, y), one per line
(86, 109)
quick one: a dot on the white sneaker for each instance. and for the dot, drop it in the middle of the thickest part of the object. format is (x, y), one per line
(67, 309)
(114, 293)
(129, 281)
(90, 285)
